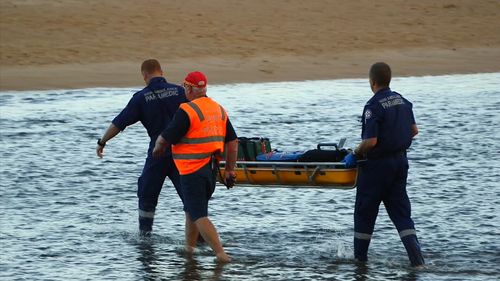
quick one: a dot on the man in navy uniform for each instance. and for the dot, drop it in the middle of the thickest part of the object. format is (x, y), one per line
(154, 106)
(387, 131)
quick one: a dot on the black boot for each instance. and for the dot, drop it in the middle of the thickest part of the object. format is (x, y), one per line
(413, 249)
(361, 249)
(145, 226)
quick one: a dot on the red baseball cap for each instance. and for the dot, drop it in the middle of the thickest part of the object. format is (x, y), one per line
(196, 79)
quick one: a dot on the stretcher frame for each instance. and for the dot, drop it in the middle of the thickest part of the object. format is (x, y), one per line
(331, 175)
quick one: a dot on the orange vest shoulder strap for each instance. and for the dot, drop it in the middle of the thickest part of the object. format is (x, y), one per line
(190, 108)
(223, 113)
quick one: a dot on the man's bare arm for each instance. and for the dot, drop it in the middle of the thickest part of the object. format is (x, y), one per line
(110, 133)
(365, 146)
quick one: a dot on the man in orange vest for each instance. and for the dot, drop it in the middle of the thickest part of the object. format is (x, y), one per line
(200, 131)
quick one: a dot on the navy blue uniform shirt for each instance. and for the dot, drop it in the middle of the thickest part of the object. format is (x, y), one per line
(154, 106)
(180, 126)
(388, 117)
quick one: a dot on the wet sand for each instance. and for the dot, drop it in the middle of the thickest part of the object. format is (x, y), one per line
(77, 44)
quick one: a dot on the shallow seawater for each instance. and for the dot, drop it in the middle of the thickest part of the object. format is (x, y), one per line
(67, 215)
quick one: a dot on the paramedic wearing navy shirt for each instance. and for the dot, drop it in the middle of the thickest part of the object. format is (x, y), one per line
(387, 131)
(154, 106)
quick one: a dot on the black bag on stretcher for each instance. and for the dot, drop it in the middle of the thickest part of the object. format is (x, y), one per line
(325, 155)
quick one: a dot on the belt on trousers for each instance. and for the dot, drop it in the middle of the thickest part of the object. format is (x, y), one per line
(388, 155)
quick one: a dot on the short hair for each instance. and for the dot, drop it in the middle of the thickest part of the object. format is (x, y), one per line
(150, 66)
(197, 90)
(380, 73)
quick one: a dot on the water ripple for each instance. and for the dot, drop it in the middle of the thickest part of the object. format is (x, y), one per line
(67, 215)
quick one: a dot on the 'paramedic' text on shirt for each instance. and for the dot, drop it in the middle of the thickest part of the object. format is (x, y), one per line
(163, 93)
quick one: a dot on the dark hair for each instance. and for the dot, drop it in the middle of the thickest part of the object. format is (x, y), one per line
(150, 66)
(380, 73)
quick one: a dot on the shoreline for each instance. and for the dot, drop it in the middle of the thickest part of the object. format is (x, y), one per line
(47, 44)
(228, 70)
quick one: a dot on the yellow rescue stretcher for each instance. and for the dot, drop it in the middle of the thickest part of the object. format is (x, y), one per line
(294, 174)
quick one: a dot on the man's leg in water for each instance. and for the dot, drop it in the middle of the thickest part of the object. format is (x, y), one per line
(191, 234)
(209, 233)
(149, 187)
(197, 189)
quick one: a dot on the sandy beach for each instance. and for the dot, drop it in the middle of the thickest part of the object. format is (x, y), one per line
(78, 44)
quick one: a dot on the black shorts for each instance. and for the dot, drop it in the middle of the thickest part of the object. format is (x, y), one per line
(197, 189)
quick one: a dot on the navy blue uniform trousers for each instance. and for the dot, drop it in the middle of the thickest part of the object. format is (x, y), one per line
(150, 184)
(384, 180)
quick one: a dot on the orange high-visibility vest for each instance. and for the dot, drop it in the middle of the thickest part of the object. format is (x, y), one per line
(205, 136)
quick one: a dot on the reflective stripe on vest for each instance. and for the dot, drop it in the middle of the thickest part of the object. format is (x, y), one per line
(205, 136)
(197, 109)
(192, 156)
(222, 113)
(201, 140)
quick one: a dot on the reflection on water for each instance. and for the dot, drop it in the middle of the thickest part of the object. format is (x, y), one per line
(67, 215)
(189, 268)
(148, 257)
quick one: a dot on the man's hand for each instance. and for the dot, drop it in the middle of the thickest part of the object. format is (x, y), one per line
(231, 154)
(100, 148)
(229, 178)
(350, 160)
(110, 133)
(100, 151)
(160, 146)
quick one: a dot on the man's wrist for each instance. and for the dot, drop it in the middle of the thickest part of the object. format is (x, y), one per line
(161, 141)
(229, 171)
(101, 143)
